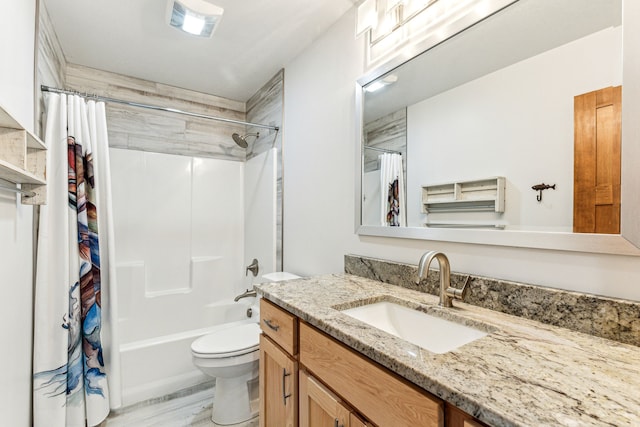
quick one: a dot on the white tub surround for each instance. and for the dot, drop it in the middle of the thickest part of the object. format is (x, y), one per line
(156, 367)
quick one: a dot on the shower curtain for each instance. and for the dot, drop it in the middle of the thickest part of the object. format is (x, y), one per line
(393, 208)
(74, 345)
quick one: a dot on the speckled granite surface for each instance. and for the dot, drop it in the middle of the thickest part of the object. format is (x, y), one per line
(611, 318)
(524, 373)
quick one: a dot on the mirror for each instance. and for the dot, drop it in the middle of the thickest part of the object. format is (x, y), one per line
(490, 112)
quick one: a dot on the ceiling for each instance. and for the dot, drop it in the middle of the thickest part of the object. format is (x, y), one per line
(254, 40)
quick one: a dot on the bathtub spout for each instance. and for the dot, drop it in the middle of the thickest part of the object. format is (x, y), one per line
(246, 294)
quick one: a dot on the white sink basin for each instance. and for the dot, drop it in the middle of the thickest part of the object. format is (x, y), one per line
(429, 332)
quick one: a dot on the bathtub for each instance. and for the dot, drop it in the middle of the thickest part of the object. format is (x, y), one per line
(156, 367)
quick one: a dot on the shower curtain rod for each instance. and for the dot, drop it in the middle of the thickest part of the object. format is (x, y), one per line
(384, 150)
(4, 187)
(153, 107)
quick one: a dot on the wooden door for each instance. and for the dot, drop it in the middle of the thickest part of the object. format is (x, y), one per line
(278, 386)
(597, 136)
(319, 407)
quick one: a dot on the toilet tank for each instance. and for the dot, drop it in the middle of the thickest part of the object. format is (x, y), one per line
(279, 276)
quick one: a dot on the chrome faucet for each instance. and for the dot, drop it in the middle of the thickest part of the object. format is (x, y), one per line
(447, 293)
(246, 294)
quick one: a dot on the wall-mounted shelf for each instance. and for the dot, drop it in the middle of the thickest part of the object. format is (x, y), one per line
(23, 158)
(464, 225)
(484, 195)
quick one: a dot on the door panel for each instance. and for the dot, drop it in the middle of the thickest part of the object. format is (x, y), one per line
(597, 133)
(278, 386)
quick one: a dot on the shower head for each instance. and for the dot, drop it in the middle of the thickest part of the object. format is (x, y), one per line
(242, 140)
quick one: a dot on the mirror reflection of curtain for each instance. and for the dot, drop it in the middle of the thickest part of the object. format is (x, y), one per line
(392, 191)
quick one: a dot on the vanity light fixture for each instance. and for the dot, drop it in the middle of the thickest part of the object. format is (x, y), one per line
(394, 26)
(366, 17)
(197, 17)
(392, 4)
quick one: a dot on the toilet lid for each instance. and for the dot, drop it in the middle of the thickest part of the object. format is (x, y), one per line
(234, 340)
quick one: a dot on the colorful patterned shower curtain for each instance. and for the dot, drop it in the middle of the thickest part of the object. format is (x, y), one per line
(392, 188)
(75, 272)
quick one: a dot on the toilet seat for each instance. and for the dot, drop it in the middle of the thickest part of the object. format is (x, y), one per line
(230, 342)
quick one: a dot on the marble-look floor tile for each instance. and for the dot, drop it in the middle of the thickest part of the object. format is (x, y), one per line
(188, 410)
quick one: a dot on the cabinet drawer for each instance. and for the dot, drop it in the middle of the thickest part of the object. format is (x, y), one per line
(381, 396)
(280, 325)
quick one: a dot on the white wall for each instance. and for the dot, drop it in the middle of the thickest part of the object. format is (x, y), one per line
(516, 122)
(16, 95)
(371, 194)
(319, 173)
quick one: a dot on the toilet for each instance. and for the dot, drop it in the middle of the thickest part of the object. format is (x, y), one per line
(232, 356)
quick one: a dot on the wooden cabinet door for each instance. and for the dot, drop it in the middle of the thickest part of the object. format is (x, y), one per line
(278, 386)
(319, 407)
(356, 421)
(596, 183)
(379, 395)
(456, 418)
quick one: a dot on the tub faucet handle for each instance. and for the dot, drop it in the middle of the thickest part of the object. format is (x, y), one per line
(253, 268)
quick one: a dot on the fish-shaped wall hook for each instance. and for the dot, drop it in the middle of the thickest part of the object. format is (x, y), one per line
(540, 187)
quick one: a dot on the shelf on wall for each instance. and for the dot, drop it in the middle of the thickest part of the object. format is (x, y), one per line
(464, 225)
(22, 158)
(483, 195)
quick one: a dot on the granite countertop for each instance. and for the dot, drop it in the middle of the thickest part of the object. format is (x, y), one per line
(523, 373)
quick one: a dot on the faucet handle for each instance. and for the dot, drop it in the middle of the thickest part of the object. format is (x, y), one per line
(459, 293)
(253, 268)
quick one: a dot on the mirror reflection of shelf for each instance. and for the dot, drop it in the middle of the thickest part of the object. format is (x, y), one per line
(22, 159)
(464, 225)
(484, 195)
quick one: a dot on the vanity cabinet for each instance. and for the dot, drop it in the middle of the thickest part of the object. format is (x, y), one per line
(457, 418)
(278, 367)
(380, 396)
(308, 378)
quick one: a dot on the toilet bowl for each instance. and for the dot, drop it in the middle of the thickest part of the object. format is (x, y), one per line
(231, 356)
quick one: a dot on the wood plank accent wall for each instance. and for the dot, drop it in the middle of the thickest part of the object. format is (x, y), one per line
(158, 131)
(266, 106)
(51, 66)
(388, 132)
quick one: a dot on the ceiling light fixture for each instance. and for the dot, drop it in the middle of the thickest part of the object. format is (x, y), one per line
(196, 17)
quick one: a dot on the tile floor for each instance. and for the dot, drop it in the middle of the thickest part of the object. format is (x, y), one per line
(182, 409)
